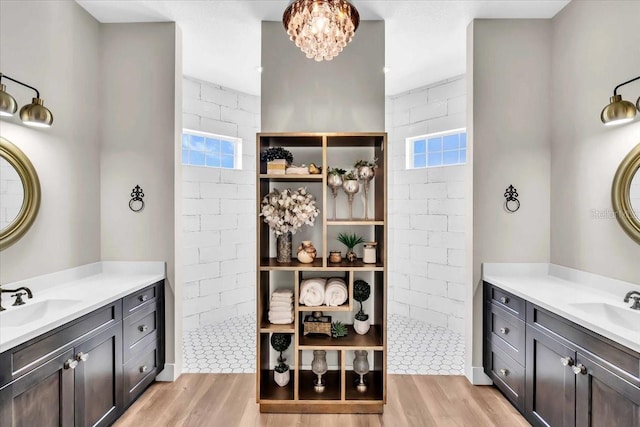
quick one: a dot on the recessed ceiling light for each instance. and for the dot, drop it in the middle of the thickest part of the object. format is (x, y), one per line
(259, 69)
(386, 69)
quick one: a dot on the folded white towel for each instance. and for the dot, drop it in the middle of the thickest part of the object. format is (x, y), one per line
(312, 292)
(335, 292)
(283, 293)
(280, 314)
(288, 309)
(277, 304)
(281, 321)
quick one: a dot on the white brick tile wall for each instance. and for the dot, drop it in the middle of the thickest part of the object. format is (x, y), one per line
(427, 252)
(219, 209)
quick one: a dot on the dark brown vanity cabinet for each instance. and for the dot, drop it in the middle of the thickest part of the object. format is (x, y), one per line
(569, 376)
(77, 374)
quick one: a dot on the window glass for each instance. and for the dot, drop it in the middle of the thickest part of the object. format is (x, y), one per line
(440, 149)
(208, 150)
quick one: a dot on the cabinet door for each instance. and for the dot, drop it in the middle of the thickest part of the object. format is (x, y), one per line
(550, 385)
(603, 398)
(98, 381)
(44, 397)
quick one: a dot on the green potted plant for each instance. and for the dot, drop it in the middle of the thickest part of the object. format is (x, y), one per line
(350, 241)
(281, 374)
(277, 160)
(361, 293)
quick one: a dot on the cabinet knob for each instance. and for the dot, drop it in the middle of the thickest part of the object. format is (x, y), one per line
(70, 364)
(143, 328)
(504, 300)
(144, 368)
(579, 369)
(566, 361)
(504, 331)
(82, 357)
(143, 297)
(504, 372)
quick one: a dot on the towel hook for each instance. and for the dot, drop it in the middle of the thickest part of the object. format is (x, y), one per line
(136, 203)
(511, 204)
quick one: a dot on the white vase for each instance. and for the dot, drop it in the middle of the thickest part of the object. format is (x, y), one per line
(282, 379)
(361, 326)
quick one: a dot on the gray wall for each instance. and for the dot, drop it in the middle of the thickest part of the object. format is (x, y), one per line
(510, 134)
(342, 95)
(584, 153)
(141, 124)
(54, 47)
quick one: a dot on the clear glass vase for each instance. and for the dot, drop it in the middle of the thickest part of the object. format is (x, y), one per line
(284, 247)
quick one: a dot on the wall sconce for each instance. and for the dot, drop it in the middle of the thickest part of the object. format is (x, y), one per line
(619, 111)
(34, 114)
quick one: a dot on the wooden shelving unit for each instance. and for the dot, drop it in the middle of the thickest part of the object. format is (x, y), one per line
(340, 395)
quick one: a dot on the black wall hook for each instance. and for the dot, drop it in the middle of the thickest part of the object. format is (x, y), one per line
(136, 203)
(511, 204)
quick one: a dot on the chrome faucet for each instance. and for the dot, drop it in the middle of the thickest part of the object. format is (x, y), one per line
(636, 300)
(18, 295)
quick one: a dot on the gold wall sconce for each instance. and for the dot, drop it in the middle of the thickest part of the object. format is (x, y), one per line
(34, 114)
(619, 111)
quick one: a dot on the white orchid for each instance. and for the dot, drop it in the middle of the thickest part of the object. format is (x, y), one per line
(288, 210)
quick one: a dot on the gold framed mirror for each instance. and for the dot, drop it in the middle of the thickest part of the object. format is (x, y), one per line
(625, 194)
(20, 196)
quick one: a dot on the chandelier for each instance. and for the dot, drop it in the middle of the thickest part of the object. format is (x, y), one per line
(321, 28)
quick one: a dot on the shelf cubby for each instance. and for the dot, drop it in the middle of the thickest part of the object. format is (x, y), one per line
(269, 390)
(372, 340)
(332, 390)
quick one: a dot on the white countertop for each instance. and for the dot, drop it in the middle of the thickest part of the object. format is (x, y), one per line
(61, 297)
(563, 290)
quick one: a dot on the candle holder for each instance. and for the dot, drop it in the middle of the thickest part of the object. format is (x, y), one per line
(366, 174)
(351, 187)
(319, 367)
(361, 367)
(334, 181)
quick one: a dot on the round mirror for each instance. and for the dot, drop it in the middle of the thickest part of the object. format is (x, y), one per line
(625, 194)
(19, 194)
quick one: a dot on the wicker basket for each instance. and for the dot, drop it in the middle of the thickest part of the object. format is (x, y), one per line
(315, 326)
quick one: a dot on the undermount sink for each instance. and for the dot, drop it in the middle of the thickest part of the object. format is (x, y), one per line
(621, 316)
(33, 312)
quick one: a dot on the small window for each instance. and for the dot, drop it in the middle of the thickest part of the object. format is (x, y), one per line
(437, 149)
(210, 150)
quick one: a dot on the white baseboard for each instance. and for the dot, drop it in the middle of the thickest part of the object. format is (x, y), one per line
(168, 374)
(476, 376)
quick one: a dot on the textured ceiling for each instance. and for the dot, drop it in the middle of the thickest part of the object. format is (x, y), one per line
(425, 40)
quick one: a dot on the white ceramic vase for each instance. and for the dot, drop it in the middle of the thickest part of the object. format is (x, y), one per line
(282, 379)
(361, 326)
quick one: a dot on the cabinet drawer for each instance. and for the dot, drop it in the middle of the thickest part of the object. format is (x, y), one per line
(140, 298)
(506, 332)
(26, 357)
(511, 303)
(140, 329)
(507, 375)
(140, 372)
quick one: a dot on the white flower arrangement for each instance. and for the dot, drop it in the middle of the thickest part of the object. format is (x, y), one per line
(287, 211)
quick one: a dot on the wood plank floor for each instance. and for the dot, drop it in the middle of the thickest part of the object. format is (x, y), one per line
(228, 400)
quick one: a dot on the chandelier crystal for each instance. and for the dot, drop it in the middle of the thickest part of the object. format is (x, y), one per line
(321, 28)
